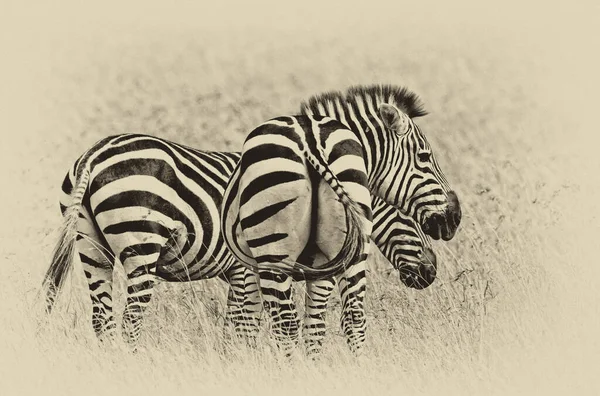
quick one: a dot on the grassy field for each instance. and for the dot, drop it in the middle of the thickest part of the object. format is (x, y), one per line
(514, 308)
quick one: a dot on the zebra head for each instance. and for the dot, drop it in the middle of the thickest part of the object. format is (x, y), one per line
(412, 180)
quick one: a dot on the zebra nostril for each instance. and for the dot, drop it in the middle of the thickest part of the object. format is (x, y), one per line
(425, 226)
(429, 227)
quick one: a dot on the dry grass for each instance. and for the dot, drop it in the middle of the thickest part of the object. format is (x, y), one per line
(514, 307)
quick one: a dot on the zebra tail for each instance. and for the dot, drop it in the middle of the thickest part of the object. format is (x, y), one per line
(62, 258)
(353, 247)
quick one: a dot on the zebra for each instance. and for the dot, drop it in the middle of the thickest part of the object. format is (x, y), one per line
(299, 199)
(153, 204)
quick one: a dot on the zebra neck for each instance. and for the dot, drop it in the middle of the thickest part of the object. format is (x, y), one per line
(361, 116)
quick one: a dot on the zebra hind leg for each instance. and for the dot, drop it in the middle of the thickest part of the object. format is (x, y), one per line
(243, 305)
(98, 263)
(139, 262)
(277, 296)
(317, 298)
(352, 285)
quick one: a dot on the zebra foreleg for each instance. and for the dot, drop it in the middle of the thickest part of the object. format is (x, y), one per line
(317, 298)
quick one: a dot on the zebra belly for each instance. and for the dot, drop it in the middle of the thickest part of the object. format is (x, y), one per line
(201, 268)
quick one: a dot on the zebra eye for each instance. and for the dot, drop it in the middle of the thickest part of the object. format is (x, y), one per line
(424, 157)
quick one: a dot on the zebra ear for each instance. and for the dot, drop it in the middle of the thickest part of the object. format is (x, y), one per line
(394, 119)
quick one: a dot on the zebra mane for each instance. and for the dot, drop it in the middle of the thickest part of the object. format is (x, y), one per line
(401, 97)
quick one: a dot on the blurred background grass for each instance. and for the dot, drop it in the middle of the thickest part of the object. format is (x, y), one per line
(511, 92)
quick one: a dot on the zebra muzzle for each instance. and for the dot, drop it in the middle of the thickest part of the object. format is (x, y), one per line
(444, 225)
(420, 276)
